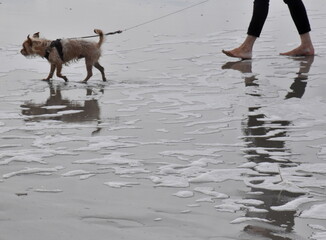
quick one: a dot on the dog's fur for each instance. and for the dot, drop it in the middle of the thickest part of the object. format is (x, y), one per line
(73, 49)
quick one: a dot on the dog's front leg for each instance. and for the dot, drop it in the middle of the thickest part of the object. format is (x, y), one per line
(51, 72)
(59, 68)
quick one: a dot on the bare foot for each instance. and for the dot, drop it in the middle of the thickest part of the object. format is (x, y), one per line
(238, 53)
(300, 51)
(244, 51)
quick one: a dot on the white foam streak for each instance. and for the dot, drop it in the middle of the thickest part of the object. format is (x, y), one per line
(117, 158)
(249, 219)
(316, 212)
(210, 192)
(28, 171)
(121, 184)
(221, 175)
(294, 204)
(170, 181)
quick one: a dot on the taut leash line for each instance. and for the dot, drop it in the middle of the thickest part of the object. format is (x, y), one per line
(150, 21)
(167, 15)
(106, 34)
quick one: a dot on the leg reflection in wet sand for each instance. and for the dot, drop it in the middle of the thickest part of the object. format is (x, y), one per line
(300, 82)
(245, 67)
(298, 86)
(262, 150)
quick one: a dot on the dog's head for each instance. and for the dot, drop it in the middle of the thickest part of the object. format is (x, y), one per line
(32, 45)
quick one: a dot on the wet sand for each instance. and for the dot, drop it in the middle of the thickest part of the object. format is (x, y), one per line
(180, 143)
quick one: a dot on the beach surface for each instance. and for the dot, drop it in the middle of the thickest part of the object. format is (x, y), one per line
(180, 143)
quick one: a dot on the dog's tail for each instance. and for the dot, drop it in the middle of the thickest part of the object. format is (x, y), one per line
(101, 35)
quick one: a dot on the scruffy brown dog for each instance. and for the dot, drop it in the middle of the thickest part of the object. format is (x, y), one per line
(63, 51)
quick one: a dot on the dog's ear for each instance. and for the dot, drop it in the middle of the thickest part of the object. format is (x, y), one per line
(36, 35)
(29, 40)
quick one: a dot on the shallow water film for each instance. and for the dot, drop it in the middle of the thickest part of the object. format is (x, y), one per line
(181, 142)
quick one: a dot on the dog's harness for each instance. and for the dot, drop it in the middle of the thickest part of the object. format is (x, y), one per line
(57, 44)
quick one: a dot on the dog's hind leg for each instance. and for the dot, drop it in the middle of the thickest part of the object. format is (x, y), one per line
(59, 68)
(89, 68)
(101, 69)
(53, 67)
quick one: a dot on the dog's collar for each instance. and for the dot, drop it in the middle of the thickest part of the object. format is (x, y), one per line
(57, 44)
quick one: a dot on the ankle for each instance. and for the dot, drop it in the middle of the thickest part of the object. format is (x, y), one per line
(306, 40)
(248, 43)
